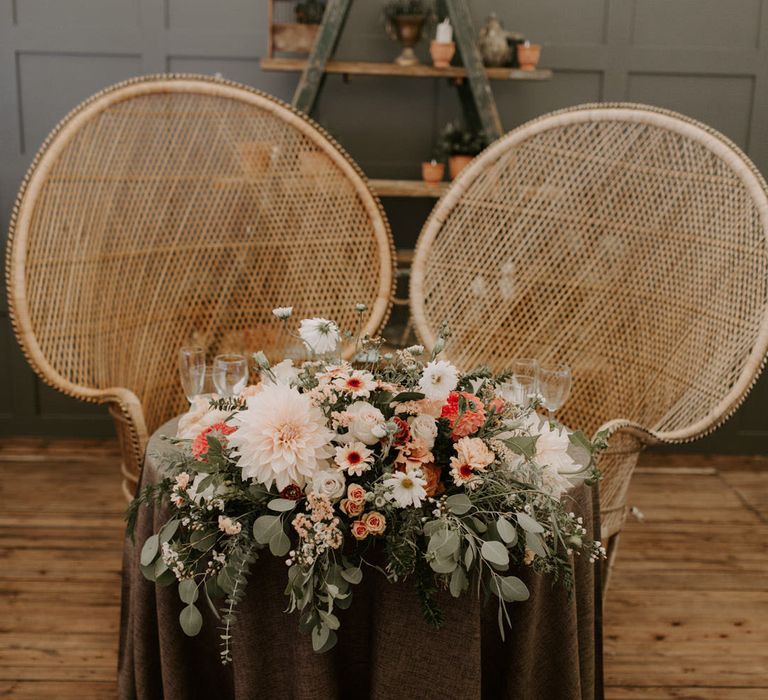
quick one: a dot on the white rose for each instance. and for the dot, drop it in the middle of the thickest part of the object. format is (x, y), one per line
(366, 422)
(424, 429)
(198, 417)
(329, 483)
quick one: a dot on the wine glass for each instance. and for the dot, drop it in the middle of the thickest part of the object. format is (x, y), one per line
(554, 387)
(192, 370)
(230, 373)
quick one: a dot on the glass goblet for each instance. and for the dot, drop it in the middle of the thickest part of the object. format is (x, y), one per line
(554, 387)
(192, 370)
(525, 379)
(230, 373)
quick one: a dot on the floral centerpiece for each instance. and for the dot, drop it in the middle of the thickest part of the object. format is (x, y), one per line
(396, 465)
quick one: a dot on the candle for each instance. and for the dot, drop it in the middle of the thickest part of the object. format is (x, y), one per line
(444, 33)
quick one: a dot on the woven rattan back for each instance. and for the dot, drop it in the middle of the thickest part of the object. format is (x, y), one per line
(626, 241)
(177, 209)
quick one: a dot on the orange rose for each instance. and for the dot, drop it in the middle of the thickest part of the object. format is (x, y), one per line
(496, 404)
(350, 507)
(375, 522)
(359, 530)
(356, 494)
(432, 474)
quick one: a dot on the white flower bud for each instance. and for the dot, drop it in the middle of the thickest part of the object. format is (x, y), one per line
(283, 312)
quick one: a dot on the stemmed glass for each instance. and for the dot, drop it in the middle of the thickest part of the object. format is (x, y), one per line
(523, 385)
(192, 371)
(230, 373)
(554, 387)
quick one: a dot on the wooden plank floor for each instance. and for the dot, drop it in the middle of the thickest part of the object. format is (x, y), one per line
(686, 617)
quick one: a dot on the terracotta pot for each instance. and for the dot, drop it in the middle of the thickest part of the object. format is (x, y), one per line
(457, 163)
(528, 56)
(432, 171)
(442, 53)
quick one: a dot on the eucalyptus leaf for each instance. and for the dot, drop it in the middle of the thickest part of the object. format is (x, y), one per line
(279, 544)
(523, 445)
(320, 634)
(495, 553)
(160, 567)
(506, 530)
(331, 621)
(168, 530)
(191, 620)
(329, 644)
(165, 579)
(534, 542)
(458, 583)
(202, 541)
(528, 523)
(443, 566)
(458, 504)
(149, 550)
(281, 505)
(353, 575)
(225, 580)
(444, 544)
(148, 572)
(477, 525)
(333, 591)
(469, 557)
(579, 439)
(433, 526)
(265, 527)
(511, 589)
(343, 603)
(188, 591)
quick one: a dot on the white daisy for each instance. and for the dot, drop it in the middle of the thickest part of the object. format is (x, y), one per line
(355, 458)
(319, 334)
(283, 312)
(439, 379)
(358, 383)
(407, 488)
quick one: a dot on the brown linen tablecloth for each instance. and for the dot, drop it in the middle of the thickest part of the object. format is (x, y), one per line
(385, 649)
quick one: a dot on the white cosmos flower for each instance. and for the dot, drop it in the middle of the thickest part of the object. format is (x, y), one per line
(366, 422)
(407, 488)
(354, 458)
(320, 334)
(281, 438)
(439, 379)
(283, 312)
(358, 383)
(330, 483)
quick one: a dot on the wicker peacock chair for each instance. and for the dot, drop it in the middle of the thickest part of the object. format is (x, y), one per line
(171, 209)
(626, 241)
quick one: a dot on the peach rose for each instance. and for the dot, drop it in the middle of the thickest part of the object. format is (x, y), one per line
(356, 494)
(375, 522)
(496, 404)
(351, 508)
(413, 456)
(359, 530)
(432, 474)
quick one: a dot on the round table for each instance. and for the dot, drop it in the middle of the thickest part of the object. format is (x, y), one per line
(385, 648)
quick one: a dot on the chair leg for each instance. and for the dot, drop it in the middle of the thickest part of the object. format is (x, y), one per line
(612, 547)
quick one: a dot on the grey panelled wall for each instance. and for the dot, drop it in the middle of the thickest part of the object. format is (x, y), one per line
(705, 58)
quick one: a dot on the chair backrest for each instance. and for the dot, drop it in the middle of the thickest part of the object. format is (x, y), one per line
(172, 209)
(626, 241)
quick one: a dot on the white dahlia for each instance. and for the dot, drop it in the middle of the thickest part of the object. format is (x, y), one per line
(281, 438)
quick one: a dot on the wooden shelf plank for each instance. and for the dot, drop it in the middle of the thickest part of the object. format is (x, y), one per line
(408, 188)
(422, 70)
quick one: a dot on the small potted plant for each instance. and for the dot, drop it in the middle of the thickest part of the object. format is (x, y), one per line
(433, 171)
(460, 145)
(404, 20)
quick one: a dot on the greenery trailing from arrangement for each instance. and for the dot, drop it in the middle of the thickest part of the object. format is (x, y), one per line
(396, 466)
